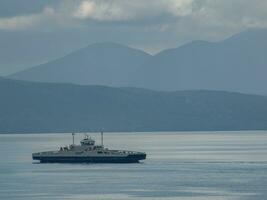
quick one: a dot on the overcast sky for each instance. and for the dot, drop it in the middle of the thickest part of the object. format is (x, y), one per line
(151, 25)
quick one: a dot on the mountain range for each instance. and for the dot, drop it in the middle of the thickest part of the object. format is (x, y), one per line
(28, 107)
(237, 64)
(98, 64)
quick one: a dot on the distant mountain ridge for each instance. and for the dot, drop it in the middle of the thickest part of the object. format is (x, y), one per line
(98, 64)
(28, 107)
(238, 64)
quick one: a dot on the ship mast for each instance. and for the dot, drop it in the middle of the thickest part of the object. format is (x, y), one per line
(73, 138)
(102, 143)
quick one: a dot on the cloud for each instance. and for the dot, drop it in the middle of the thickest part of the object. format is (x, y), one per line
(121, 10)
(17, 23)
(101, 11)
(199, 13)
(238, 13)
(27, 21)
(228, 14)
(160, 23)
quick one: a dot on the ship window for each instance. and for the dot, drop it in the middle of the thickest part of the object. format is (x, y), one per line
(99, 152)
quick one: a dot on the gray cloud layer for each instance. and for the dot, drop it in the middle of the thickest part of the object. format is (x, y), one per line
(151, 25)
(181, 19)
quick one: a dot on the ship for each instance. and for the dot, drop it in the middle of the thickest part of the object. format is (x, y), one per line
(88, 152)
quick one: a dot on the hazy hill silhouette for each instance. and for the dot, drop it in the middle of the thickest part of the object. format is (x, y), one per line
(237, 64)
(102, 63)
(48, 107)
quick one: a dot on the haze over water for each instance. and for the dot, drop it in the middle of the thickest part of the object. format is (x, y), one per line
(182, 165)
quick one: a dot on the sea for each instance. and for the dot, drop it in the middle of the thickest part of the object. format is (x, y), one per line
(179, 165)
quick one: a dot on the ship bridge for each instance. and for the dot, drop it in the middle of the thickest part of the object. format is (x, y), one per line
(87, 141)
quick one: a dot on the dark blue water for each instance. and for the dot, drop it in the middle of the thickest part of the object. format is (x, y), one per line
(183, 166)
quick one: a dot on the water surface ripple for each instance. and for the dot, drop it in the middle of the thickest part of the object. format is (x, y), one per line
(182, 165)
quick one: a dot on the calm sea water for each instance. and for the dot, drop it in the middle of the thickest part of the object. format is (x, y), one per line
(183, 166)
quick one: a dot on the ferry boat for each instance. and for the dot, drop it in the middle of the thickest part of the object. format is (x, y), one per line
(88, 152)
